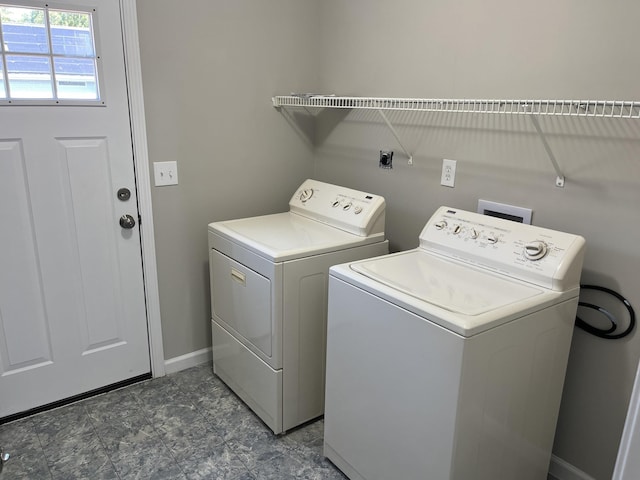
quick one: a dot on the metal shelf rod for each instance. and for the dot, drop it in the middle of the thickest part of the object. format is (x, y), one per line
(583, 108)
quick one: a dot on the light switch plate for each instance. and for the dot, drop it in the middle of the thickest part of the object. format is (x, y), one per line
(165, 173)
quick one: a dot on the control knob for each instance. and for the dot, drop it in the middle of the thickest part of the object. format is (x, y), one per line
(441, 225)
(492, 238)
(306, 194)
(535, 250)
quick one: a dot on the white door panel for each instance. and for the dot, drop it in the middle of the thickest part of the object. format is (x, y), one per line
(72, 312)
(24, 340)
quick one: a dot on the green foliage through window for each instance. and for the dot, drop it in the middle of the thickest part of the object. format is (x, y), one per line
(60, 18)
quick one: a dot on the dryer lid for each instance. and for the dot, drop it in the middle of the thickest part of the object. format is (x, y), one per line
(449, 285)
(287, 236)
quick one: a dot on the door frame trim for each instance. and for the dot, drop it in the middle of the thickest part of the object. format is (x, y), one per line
(129, 18)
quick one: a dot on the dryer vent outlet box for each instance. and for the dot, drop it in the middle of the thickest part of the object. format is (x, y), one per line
(507, 212)
(386, 159)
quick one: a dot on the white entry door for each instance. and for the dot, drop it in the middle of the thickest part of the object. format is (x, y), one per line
(72, 309)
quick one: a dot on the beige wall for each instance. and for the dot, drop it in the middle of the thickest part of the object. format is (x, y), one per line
(504, 49)
(209, 72)
(207, 97)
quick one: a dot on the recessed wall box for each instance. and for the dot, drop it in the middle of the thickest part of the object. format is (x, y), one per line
(502, 210)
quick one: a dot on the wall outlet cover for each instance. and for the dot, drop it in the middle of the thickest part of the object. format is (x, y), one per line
(448, 178)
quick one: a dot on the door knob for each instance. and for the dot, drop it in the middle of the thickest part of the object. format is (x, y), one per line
(127, 221)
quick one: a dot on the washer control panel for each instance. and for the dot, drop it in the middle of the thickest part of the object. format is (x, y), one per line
(356, 212)
(526, 252)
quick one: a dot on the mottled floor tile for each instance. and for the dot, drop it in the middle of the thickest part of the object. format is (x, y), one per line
(174, 415)
(60, 424)
(112, 407)
(183, 439)
(311, 472)
(157, 392)
(19, 438)
(147, 462)
(31, 466)
(81, 456)
(306, 433)
(217, 402)
(218, 463)
(201, 394)
(311, 455)
(282, 467)
(95, 469)
(187, 425)
(130, 429)
(231, 417)
(195, 377)
(73, 445)
(255, 448)
(245, 476)
(121, 439)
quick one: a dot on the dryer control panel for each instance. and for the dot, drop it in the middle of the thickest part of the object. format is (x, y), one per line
(548, 258)
(360, 213)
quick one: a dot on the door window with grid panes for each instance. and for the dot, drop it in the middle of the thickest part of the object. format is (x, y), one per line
(49, 56)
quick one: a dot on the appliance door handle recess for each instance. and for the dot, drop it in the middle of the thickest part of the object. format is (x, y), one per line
(238, 277)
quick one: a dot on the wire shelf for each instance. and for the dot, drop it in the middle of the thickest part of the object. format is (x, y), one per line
(574, 108)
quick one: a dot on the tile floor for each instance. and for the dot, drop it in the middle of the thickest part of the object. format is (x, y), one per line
(187, 425)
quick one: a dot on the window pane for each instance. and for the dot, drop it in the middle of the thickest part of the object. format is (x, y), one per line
(23, 30)
(47, 55)
(3, 90)
(29, 77)
(71, 33)
(76, 78)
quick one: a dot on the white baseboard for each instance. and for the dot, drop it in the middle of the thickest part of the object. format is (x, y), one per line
(562, 470)
(188, 360)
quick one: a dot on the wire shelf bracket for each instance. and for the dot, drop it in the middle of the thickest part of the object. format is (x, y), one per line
(395, 134)
(532, 108)
(552, 157)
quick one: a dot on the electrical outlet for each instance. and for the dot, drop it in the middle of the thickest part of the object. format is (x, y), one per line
(165, 173)
(448, 178)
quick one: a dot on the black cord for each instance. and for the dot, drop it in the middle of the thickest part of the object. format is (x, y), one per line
(601, 332)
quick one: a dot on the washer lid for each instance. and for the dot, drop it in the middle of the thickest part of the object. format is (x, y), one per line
(451, 286)
(286, 236)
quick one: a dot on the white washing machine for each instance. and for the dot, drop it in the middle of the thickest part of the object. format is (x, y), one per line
(447, 362)
(269, 279)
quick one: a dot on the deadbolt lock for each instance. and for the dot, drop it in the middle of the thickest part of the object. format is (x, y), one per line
(124, 194)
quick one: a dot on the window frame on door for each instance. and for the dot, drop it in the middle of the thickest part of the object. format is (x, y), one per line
(55, 99)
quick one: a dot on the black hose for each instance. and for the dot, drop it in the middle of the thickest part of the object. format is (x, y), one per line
(601, 332)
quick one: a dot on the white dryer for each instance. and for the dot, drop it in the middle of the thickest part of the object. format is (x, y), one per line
(269, 279)
(447, 362)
